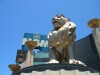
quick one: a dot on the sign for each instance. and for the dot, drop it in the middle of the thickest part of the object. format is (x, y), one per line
(42, 41)
(41, 52)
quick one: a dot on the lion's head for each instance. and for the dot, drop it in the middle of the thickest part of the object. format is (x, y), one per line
(59, 20)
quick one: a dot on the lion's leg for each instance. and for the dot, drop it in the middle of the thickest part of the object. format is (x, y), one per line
(60, 56)
(57, 54)
(65, 52)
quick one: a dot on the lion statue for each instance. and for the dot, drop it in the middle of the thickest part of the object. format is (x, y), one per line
(61, 37)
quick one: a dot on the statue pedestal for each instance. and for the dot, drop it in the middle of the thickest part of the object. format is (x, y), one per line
(57, 69)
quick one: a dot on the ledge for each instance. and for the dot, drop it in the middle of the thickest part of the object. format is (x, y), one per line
(54, 67)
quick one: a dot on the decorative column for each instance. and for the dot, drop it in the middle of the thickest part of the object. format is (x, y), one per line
(29, 59)
(95, 25)
(30, 55)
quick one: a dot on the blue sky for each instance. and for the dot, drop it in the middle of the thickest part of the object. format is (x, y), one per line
(34, 16)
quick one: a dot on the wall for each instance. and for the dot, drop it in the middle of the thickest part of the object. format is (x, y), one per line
(85, 50)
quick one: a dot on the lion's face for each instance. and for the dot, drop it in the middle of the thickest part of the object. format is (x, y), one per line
(58, 21)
